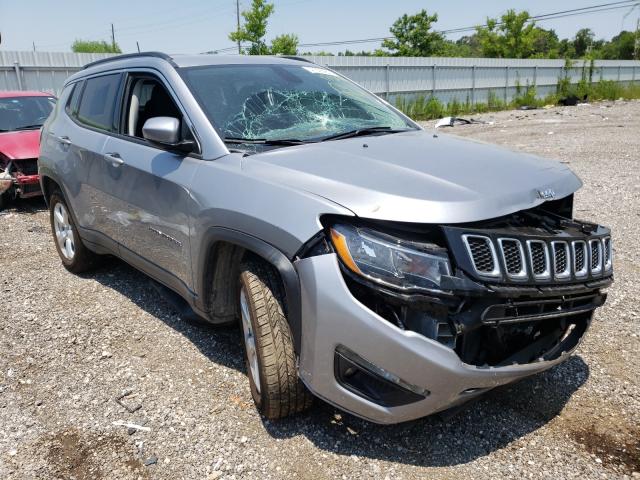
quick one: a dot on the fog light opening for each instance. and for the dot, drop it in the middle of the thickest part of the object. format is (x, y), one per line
(372, 382)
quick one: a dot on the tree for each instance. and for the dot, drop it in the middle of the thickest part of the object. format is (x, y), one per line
(254, 28)
(286, 44)
(413, 36)
(516, 36)
(620, 47)
(468, 46)
(94, 46)
(582, 41)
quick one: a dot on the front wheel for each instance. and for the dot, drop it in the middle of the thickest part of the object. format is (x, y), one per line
(271, 361)
(74, 255)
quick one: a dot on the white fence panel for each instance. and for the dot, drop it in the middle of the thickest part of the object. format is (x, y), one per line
(448, 79)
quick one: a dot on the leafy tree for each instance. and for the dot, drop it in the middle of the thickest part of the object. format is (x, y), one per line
(582, 41)
(468, 46)
(286, 44)
(254, 28)
(566, 49)
(516, 36)
(620, 47)
(94, 46)
(414, 37)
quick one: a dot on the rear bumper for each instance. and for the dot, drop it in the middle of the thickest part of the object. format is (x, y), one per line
(332, 318)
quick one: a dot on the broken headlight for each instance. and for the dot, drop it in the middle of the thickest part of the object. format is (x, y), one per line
(389, 260)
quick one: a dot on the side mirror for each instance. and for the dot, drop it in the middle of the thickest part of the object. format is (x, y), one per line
(165, 131)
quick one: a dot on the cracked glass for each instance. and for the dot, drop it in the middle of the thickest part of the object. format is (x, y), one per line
(286, 102)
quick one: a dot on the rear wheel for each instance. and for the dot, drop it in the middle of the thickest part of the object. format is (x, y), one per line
(271, 361)
(74, 255)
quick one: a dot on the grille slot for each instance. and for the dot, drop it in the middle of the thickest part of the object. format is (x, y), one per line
(580, 266)
(606, 246)
(539, 257)
(513, 257)
(483, 255)
(561, 265)
(595, 256)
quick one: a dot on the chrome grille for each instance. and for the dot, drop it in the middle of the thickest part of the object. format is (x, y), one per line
(595, 256)
(539, 256)
(513, 257)
(608, 259)
(538, 260)
(561, 265)
(483, 254)
(580, 267)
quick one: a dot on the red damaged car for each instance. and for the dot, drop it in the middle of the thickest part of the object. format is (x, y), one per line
(21, 116)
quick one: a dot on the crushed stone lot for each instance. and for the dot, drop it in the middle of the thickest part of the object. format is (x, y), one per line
(100, 379)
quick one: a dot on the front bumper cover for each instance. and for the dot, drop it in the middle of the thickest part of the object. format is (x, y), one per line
(332, 317)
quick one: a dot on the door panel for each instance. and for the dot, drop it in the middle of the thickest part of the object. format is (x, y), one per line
(151, 202)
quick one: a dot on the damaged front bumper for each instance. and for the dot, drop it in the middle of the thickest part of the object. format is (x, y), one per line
(429, 375)
(20, 177)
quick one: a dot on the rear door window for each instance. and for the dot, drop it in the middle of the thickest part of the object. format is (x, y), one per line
(98, 102)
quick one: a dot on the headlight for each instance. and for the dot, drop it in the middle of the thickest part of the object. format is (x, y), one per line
(389, 260)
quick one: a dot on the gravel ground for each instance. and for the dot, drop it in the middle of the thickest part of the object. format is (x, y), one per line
(71, 346)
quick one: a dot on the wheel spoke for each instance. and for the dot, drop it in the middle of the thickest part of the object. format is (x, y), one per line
(58, 215)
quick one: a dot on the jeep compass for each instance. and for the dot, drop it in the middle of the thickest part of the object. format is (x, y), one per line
(388, 270)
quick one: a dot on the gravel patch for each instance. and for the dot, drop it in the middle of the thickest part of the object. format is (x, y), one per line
(100, 379)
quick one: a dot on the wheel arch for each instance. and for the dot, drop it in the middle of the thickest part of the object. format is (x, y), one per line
(48, 185)
(234, 244)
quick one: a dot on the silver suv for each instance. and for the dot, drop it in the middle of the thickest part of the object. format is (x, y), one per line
(388, 270)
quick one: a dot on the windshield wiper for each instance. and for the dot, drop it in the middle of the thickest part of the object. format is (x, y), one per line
(264, 141)
(364, 131)
(29, 127)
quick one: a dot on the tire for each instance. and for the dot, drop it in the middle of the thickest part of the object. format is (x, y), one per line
(276, 389)
(74, 255)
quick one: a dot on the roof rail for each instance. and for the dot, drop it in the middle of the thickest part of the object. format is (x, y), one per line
(161, 55)
(295, 57)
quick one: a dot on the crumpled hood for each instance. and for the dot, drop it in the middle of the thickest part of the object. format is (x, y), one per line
(21, 144)
(416, 176)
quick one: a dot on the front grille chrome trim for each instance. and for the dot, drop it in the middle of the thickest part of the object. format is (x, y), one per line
(556, 248)
(607, 250)
(496, 266)
(522, 274)
(595, 248)
(546, 274)
(575, 245)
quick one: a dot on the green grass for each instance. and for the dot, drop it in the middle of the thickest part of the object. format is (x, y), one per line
(428, 107)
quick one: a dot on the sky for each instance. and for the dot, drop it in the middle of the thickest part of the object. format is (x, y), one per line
(197, 26)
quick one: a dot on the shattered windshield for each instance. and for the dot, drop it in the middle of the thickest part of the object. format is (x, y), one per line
(286, 102)
(24, 113)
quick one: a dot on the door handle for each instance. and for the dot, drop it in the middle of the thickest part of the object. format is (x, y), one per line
(64, 140)
(114, 158)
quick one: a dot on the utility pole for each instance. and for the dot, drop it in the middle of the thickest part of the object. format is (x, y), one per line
(238, 22)
(113, 38)
(636, 47)
(138, 45)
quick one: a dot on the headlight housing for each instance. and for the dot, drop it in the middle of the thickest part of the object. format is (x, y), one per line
(389, 260)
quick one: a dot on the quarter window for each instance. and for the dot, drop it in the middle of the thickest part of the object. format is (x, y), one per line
(99, 101)
(72, 104)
